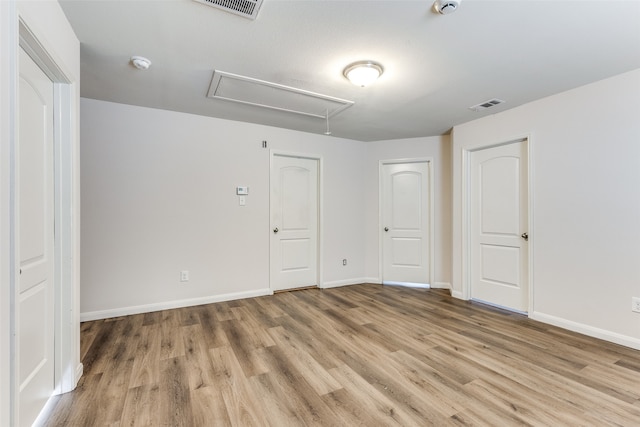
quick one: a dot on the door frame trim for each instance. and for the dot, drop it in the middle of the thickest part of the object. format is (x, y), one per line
(66, 216)
(320, 243)
(381, 164)
(466, 214)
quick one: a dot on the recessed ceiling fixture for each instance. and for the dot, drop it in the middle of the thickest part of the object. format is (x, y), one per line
(141, 63)
(445, 7)
(363, 73)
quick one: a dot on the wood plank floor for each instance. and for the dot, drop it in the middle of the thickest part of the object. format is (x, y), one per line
(358, 355)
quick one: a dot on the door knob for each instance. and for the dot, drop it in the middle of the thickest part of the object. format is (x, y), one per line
(525, 236)
(275, 230)
(386, 229)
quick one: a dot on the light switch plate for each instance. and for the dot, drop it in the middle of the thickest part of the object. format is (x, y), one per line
(242, 191)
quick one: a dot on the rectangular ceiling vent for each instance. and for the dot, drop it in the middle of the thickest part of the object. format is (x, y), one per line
(260, 93)
(487, 104)
(247, 8)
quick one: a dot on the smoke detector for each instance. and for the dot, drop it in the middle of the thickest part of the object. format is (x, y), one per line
(445, 7)
(141, 63)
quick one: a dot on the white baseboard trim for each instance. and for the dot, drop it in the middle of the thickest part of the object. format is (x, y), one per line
(407, 284)
(374, 280)
(441, 285)
(346, 282)
(587, 330)
(46, 411)
(147, 308)
(79, 372)
(456, 294)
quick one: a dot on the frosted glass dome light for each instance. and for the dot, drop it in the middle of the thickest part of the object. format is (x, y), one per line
(363, 73)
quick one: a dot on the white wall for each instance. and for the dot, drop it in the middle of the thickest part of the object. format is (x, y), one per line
(439, 149)
(158, 197)
(585, 235)
(47, 23)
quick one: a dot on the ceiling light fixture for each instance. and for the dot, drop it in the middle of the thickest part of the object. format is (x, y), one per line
(140, 62)
(363, 73)
(445, 7)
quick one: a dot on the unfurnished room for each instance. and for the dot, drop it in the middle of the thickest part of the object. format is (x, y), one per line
(320, 212)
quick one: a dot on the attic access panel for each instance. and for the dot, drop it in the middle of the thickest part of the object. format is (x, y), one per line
(260, 93)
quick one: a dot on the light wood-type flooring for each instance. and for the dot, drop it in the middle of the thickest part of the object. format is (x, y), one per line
(366, 355)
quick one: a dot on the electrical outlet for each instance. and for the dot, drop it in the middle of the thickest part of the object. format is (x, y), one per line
(635, 304)
(344, 261)
(184, 276)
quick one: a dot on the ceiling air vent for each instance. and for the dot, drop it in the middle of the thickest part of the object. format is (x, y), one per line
(247, 8)
(486, 104)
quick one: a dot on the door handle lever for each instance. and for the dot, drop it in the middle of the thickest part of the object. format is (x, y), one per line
(525, 236)
(275, 230)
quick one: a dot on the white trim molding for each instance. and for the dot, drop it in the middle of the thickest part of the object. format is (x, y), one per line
(43, 31)
(441, 285)
(8, 91)
(147, 308)
(591, 331)
(79, 370)
(345, 282)
(407, 284)
(67, 339)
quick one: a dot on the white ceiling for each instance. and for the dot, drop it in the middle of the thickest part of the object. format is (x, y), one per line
(436, 66)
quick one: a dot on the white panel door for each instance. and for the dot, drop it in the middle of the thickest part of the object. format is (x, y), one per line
(499, 221)
(406, 223)
(34, 310)
(294, 222)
